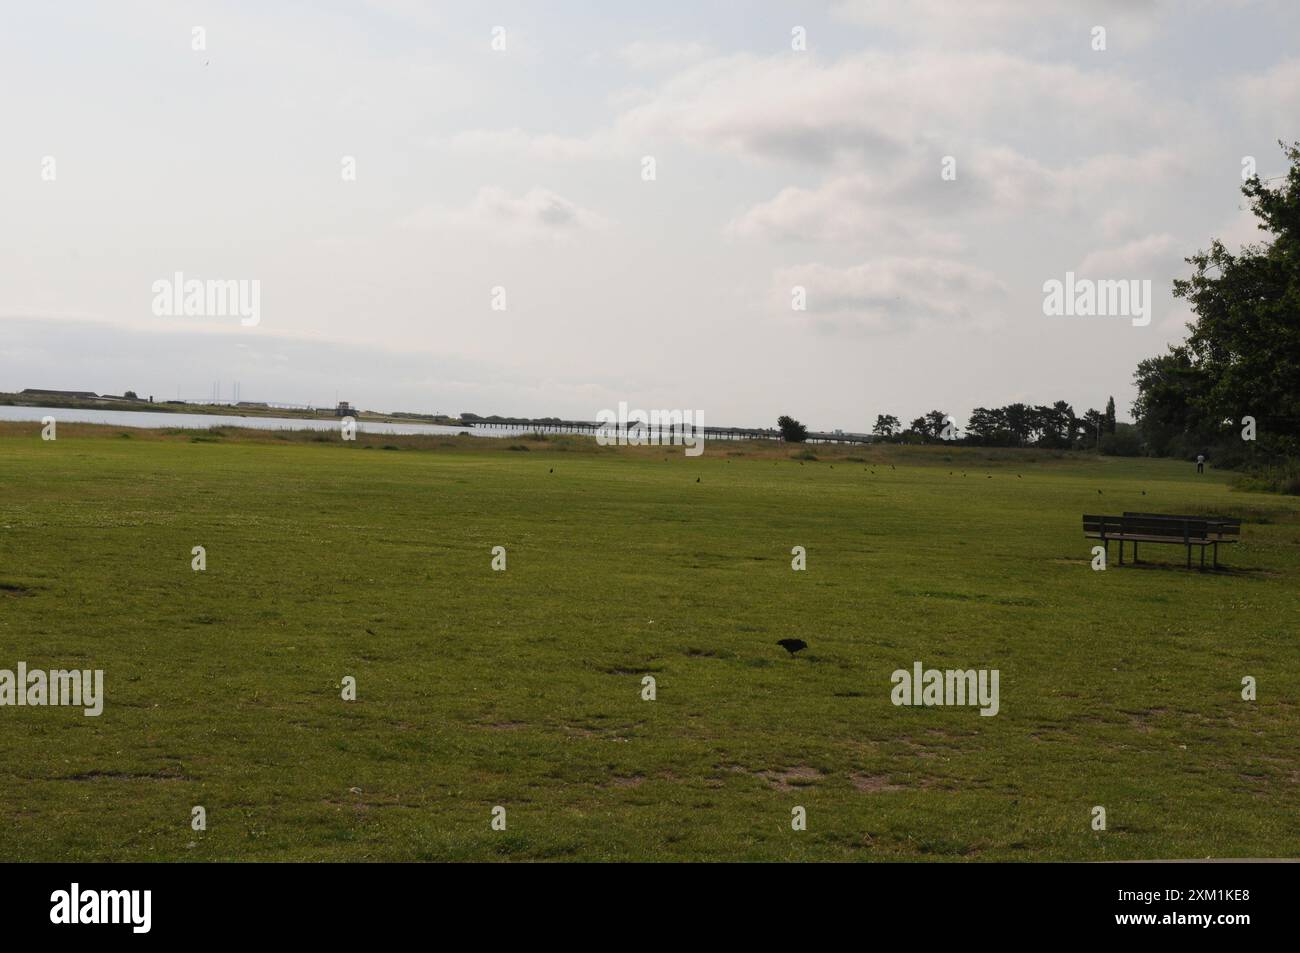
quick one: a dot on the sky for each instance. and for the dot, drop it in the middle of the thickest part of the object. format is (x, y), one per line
(391, 172)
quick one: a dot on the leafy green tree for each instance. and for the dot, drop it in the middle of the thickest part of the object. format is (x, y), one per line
(988, 427)
(1124, 442)
(1242, 355)
(1168, 408)
(1020, 422)
(791, 430)
(1110, 415)
(1065, 424)
(935, 423)
(887, 425)
(1091, 426)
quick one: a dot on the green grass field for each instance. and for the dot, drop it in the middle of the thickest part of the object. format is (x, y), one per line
(522, 688)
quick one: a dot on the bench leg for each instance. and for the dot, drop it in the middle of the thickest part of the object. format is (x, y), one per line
(1121, 552)
(1189, 555)
(1202, 557)
(1135, 552)
(1216, 555)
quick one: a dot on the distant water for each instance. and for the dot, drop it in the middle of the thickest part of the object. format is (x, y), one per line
(155, 421)
(159, 421)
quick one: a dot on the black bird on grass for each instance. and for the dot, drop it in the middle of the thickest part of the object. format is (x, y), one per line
(793, 645)
(697, 479)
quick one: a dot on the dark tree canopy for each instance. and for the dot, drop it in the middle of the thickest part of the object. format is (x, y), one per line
(887, 425)
(791, 430)
(1242, 355)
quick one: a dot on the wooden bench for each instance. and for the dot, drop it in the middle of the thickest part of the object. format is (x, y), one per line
(1219, 529)
(1186, 531)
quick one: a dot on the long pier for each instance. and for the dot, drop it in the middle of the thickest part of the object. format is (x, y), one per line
(524, 425)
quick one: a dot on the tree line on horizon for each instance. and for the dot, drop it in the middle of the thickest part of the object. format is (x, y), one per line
(1054, 426)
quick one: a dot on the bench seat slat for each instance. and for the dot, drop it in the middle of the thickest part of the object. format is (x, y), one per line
(1179, 540)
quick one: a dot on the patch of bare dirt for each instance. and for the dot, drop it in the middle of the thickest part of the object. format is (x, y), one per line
(787, 779)
(874, 783)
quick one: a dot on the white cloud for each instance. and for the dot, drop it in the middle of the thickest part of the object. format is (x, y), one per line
(537, 214)
(850, 210)
(866, 107)
(893, 293)
(1152, 256)
(1272, 100)
(910, 201)
(876, 105)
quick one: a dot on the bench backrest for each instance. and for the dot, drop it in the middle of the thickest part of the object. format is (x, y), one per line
(1163, 527)
(1103, 525)
(1221, 527)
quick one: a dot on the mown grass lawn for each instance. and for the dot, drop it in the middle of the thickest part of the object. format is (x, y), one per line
(523, 688)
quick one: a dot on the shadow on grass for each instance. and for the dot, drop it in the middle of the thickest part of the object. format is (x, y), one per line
(1221, 570)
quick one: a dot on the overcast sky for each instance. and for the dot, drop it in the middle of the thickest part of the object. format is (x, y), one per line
(522, 168)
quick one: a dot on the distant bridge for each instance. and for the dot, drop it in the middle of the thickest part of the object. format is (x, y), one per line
(524, 425)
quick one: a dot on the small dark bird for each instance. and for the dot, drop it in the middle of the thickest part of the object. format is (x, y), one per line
(1144, 492)
(1099, 492)
(793, 645)
(1019, 477)
(892, 467)
(990, 476)
(369, 632)
(552, 470)
(697, 479)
